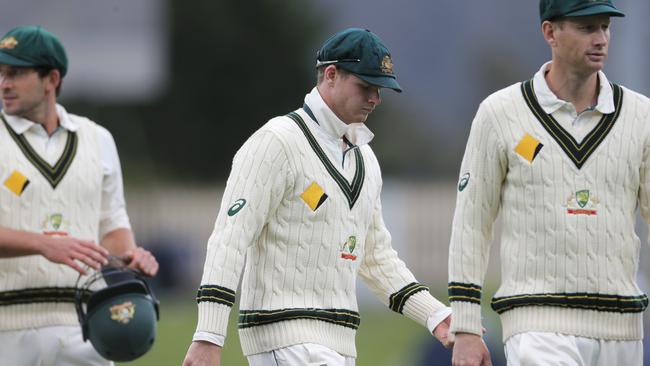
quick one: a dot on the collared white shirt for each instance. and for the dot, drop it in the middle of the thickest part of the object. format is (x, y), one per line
(331, 131)
(113, 207)
(577, 124)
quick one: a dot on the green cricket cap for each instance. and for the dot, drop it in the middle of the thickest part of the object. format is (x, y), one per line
(33, 46)
(362, 53)
(553, 9)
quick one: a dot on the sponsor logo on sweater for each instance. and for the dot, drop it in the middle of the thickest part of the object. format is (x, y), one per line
(238, 205)
(314, 196)
(16, 183)
(582, 202)
(528, 148)
(348, 248)
(464, 180)
(54, 224)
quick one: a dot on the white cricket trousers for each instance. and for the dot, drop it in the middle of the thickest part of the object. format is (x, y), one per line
(48, 346)
(306, 354)
(553, 349)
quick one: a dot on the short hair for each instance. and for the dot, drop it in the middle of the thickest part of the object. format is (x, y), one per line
(320, 73)
(44, 71)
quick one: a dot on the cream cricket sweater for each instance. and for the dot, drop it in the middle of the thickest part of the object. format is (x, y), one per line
(301, 231)
(55, 199)
(569, 253)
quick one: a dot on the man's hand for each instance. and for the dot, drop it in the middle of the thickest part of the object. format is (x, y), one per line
(203, 353)
(142, 260)
(68, 250)
(441, 332)
(470, 350)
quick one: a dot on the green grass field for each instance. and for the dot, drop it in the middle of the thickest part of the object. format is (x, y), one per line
(384, 338)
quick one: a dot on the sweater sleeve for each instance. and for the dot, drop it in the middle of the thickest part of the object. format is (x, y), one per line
(644, 178)
(255, 188)
(478, 199)
(389, 278)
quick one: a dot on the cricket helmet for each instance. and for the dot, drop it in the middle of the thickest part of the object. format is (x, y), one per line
(118, 312)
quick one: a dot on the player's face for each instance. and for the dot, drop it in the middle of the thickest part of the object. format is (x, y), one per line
(22, 90)
(353, 98)
(582, 43)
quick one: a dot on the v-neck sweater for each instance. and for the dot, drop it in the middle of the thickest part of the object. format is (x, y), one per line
(569, 252)
(301, 232)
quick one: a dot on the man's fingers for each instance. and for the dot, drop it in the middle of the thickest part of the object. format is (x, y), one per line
(71, 263)
(97, 250)
(143, 260)
(95, 255)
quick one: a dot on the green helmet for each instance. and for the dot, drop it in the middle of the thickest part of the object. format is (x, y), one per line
(119, 319)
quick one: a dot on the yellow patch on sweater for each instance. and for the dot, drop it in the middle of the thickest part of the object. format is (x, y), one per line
(16, 182)
(314, 196)
(528, 148)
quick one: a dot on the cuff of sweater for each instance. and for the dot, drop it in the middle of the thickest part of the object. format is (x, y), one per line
(216, 339)
(213, 318)
(466, 318)
(420, 306)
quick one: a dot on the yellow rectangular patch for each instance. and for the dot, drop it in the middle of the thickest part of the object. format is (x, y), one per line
(16, 182)
(314, 196)
(528, 148)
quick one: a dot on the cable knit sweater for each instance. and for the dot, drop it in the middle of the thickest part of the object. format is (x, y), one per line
(569, 252)
(301, 232)
(66, 198)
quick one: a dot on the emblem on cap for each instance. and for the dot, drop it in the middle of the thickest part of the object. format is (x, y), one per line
(123, 313)
(386, 65)
(9, 42)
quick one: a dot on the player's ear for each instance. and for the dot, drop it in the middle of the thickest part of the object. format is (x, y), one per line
(329, 74)
(54, 78)
(548, 31)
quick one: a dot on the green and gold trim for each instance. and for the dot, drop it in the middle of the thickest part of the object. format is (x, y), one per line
(53, 174)
(351, 191)
(41, 295)
(578, 300)
(397, 300)
(577, 152)
(467, 292)
(214, 293)
(342, 317)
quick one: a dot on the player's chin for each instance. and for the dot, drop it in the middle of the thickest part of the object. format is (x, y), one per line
(9, 107)
(596, 64)
(362, 116)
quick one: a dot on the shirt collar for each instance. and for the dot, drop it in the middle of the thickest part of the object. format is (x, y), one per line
(551, 103)
(20, 125)
(357, 133)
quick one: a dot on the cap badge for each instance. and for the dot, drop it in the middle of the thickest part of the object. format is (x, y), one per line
(123, 313)
(9, 42)
(386, 65)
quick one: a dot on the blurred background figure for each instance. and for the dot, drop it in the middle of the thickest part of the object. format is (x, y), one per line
(181, 87)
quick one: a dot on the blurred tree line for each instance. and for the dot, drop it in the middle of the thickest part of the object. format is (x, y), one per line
(234, 65)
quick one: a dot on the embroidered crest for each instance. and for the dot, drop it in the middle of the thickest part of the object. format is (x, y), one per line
(348, 248)
(582, 202)
(54, 224)
(238, 205)
(8, 43)
(464, 180)
(123, 313)
(582, 197)
(386, 65)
